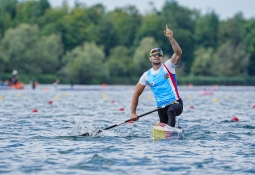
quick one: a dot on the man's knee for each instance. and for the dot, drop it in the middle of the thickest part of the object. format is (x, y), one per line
(171, 117)
(171, 112)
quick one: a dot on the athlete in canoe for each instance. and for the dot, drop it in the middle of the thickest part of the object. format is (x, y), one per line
(15, 77)
(162, 80)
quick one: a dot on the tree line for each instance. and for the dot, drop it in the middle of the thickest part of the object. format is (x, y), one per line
(89, 45)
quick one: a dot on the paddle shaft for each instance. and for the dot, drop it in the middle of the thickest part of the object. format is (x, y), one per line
(117, 124)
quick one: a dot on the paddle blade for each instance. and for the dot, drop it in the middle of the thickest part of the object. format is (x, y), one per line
(85, 134)
(93, 133)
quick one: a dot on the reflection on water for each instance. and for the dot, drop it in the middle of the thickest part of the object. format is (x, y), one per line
(48, 141)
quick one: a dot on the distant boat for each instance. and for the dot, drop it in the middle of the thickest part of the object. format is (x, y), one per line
(18, 85)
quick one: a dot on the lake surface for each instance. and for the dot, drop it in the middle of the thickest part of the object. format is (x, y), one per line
(47, 141)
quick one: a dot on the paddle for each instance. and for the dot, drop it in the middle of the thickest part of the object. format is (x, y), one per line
(87, 133)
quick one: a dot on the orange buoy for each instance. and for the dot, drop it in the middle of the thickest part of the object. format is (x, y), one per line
(191, 107)
(104, 85)
(50, 102)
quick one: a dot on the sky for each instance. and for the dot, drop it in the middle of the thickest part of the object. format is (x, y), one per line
(223, 8)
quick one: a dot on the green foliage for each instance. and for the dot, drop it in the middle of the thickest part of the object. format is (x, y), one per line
(79, 26)
(186, 41)
(34, 37)
(30, 11)
(51, 21)
(107, 35)
(225, 81)
(117, 80)
(203, 61)
(231, 29)
(3, 60)
(42, 79)
(230, 60)
(7, 14)
(23, 49)
(150, 23)
(18, 47)
(84, 64)
(182, 22)
(126, 22)
(119, 62)
(177, 17)
(27, 78)
(48, 50)
(207, 28)
(141, 59)
(248, 39)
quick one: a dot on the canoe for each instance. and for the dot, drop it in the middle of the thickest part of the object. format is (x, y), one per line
(164, 131)
(18, 85)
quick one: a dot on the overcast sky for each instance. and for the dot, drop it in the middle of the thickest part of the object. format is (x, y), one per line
(224, 8)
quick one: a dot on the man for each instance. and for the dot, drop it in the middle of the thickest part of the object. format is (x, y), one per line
(14, 77)
(162, 80)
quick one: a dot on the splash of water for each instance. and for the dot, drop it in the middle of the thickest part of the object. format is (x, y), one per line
(79, 127)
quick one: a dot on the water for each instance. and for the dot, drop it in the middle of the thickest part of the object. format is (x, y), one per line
(47, 142)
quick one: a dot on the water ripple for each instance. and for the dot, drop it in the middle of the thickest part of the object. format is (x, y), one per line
(48, 142)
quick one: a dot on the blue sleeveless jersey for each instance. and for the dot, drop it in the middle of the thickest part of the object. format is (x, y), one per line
(164, 86)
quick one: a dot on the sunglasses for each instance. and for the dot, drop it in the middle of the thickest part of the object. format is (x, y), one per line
(156, 54)
(156, 51)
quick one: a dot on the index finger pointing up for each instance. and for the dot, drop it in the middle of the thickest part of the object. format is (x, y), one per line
(166, 27)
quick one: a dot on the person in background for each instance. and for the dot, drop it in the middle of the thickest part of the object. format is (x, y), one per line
(71, 83)
(162, 80)
(34, 83)
(55, 84)
(15, 77)
(3, 83)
